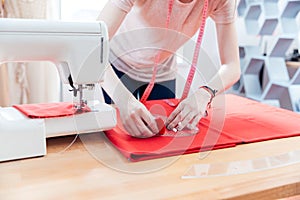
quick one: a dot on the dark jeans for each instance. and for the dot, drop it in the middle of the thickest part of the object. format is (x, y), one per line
(161, 90)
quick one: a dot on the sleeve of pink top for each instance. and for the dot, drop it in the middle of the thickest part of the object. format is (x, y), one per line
(223, 11)
(125, 5)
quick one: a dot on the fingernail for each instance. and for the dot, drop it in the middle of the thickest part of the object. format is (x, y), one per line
(189, 126)
(179, 126)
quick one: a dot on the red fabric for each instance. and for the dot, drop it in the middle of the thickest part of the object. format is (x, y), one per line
(246, 121)
(251, 121)
(48, 110)
(161, 125)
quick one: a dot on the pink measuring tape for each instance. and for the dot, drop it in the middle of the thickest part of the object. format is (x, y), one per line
(192, 71)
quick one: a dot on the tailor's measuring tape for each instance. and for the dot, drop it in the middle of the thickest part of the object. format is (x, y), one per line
(197, 171)
(157, 58)
(192, 71)
(195, 58)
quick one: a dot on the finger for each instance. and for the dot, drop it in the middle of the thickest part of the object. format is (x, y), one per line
(174, 114)
(144, 131)
(130, 125)
(194, 122)
(187, 119)
(129, 130)
(178, 120)
(149, 120)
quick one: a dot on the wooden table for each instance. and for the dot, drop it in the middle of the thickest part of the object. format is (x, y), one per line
(75, 173)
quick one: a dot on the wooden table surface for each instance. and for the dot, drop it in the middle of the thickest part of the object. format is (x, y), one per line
(91, 169)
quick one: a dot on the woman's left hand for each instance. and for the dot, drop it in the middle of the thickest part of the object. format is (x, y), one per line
(189, 111)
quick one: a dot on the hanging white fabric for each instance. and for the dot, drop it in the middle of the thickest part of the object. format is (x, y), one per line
(33, 82)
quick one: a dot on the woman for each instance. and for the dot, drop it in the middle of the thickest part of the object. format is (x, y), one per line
(141, 42)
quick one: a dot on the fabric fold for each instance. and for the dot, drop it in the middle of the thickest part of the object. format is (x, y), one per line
(245, 121)
(49, 110)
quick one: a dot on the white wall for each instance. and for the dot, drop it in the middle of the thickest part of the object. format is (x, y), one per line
(81, 9)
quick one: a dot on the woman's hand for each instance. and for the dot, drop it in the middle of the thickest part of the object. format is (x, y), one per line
(137, 120)
(189, 111)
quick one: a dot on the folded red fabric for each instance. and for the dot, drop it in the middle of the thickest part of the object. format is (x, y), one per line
(245, 121)
(49, 110)
(161, 125)
(251, 121)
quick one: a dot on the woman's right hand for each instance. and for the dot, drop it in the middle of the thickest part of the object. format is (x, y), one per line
(137, 120)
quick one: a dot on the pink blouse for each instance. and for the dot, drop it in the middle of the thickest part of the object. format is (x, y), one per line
(142, 34)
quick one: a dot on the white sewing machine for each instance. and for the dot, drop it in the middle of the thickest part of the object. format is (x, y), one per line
(80, 52)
